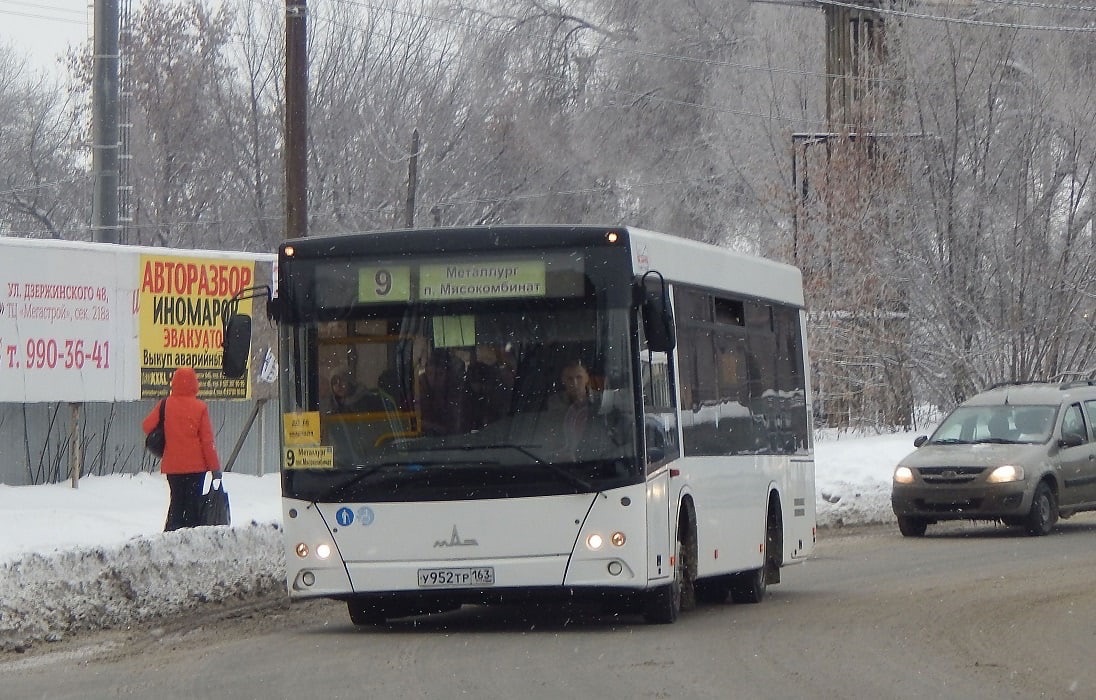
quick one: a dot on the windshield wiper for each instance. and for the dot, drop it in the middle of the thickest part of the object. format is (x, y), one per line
(950, 441)
(997, 441)
(362, 472)
(559, 471)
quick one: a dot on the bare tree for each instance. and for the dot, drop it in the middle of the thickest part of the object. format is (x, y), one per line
(182, 158)
(39, 155)
(1002, 217)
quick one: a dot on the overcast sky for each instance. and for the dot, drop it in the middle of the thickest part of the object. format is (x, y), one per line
(43, 29)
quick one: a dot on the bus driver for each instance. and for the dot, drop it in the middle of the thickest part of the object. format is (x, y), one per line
(572, 409)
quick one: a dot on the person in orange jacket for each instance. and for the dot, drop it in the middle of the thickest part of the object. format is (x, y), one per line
(189, 451)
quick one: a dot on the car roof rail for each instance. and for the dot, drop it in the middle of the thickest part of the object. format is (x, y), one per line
(998, 385)
(1076, 383)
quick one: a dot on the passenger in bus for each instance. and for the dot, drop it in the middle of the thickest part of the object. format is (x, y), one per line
(571, 410)
(490, 385)
(442, 394)
(345, 394)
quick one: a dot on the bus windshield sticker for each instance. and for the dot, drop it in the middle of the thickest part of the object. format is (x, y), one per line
(454, 331)
(301, 428)
(309, 458)
(482, 280)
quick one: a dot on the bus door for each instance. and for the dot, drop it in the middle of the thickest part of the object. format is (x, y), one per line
(661, 447)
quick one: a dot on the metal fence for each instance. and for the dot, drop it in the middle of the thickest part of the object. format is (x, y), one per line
(35, 439)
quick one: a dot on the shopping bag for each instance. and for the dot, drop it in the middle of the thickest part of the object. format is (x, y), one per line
(215, 509)
(156, 439)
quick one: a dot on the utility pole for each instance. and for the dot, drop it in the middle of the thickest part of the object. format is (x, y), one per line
(104, 91)
(104, 163)
(854, 40)
(296, 118)
(412, 180)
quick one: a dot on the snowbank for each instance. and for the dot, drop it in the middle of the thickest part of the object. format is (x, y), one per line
(74, 560)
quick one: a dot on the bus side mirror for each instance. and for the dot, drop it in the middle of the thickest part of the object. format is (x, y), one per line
(237, 330)
(237, 346)
(658, 316)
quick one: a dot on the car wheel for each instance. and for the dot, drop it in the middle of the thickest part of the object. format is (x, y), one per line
(911, 526)
(1044, 511)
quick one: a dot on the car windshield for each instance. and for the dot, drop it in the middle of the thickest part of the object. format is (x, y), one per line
(996, 424)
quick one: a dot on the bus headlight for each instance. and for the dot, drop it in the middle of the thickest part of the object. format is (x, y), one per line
(301, 549)
(323, 551)
(594, 541)
(618, 539)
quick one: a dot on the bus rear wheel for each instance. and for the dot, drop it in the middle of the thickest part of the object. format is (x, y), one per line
(749, 586)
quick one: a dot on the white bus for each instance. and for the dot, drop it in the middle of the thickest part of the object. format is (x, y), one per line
(433, 458)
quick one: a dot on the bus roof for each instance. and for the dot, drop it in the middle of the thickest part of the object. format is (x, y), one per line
(679, 260)
(705, 265)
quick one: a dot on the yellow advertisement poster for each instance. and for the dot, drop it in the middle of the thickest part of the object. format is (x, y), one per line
(181, 302)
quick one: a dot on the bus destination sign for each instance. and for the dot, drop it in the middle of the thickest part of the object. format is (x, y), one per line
(452, 281)
(483, 280)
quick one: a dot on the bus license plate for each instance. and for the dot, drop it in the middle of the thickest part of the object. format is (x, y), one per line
(466, 577)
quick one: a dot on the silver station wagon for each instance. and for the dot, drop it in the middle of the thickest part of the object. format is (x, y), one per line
(1023, 454)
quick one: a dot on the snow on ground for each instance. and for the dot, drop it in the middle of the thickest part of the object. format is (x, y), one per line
(95, 557)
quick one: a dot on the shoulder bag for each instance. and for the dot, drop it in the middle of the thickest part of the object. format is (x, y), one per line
(215, 508)
(156, 440)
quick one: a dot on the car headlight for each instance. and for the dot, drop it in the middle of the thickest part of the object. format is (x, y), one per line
(903, 475)
(1005, 474)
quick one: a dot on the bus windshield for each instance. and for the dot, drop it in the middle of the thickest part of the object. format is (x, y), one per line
(481, 399)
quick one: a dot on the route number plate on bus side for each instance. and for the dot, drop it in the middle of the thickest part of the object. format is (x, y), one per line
(464, 577)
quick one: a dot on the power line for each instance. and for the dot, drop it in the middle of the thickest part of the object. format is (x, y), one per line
(644, 96)
(1042, 5)
(49, 8)
(960, 20)
(50, 13)
(616, 48)
(31, 15)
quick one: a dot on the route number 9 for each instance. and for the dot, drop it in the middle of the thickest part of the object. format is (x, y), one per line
(382, 280)
(388, 284)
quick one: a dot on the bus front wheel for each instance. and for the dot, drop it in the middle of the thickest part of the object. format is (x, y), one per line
(663, 604)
